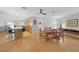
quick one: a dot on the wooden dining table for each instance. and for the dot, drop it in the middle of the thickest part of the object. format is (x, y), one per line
(55, 34)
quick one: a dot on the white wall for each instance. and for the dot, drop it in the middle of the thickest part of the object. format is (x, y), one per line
(63, 21)
(4, 19)
(48, 21)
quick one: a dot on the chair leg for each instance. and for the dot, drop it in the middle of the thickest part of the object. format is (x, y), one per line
(62, 42)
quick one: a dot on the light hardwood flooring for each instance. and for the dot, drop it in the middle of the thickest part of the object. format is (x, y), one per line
(33, 43)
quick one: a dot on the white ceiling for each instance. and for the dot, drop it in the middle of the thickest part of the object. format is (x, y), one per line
(58, 11)
(21, 14)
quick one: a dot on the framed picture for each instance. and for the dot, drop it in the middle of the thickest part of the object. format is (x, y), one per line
(39, 22)
(72, 23)
(34, 22)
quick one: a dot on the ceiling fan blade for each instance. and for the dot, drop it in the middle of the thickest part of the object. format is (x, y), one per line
(41, 10)
(44, 13)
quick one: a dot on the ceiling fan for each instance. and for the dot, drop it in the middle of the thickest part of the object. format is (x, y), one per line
(41, 12)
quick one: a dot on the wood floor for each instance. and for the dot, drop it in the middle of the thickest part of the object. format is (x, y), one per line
(33, 43)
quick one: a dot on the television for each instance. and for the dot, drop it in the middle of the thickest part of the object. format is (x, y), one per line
(72, 23)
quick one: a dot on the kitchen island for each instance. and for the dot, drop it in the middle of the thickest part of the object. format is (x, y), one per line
(18, 33)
